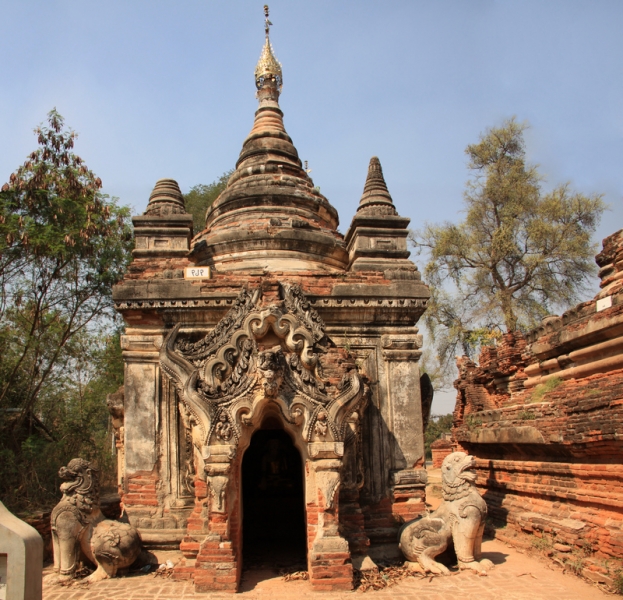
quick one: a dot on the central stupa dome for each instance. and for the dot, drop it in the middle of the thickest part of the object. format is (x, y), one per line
(270, 217)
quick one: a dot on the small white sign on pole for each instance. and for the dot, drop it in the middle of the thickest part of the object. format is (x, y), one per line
(197, 273)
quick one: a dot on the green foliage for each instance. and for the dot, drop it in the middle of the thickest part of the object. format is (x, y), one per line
(63, 244)
(437, 426)
(472, 422)
(541, 544)
(201, 197)
(544, 388)
(448, 320)
(346, 344)
(518, 254)
(52, 207)
(526, 415)
(618, 582)
(575, 562)
(72, 409)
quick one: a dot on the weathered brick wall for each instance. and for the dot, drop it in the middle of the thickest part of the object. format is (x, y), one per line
(553, 465)
(440, 449)
(543, 414)
(577, 504)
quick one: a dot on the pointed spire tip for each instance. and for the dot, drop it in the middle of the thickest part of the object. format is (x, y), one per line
(268, 73)
(375, 192)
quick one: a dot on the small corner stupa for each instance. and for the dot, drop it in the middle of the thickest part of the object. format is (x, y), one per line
(272, 399)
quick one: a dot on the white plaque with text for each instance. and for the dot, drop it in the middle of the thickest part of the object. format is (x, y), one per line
(197, 273)
(603, 303)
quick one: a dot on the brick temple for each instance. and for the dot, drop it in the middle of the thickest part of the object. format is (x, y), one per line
(543, 414)
(273, 406)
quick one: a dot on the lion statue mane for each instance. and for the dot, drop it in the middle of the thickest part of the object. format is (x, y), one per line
(460, 519)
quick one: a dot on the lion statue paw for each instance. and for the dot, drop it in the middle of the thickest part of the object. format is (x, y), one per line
(480, 566)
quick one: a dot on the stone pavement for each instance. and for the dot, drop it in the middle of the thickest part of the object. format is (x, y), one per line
(515, 577)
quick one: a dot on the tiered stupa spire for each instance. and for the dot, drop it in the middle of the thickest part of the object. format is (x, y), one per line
(165, 229)
(376, 198)
(270, 210)
(377, 237)
(166, 199)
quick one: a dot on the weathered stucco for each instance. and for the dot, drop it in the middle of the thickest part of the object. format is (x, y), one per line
(141, 412)
(293, 326)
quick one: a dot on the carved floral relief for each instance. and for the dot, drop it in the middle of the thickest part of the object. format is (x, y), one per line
(257, 354)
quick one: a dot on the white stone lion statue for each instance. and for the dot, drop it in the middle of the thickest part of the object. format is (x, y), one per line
(460, 519)
(78, 525)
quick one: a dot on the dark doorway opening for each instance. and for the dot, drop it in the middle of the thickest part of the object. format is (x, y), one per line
(273, 526)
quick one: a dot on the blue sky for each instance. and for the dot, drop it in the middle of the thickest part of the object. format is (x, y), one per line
(165, 89)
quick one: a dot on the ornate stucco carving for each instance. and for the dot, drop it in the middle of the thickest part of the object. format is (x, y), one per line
(257, 354)
(218, 487)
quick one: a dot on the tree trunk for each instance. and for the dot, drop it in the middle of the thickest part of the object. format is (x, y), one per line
(510, 318)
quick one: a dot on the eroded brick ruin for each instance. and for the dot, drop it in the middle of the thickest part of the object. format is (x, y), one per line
(544, 416)
(272, 387)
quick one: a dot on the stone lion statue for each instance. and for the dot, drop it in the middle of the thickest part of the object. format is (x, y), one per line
(79, 525)
(460, 519)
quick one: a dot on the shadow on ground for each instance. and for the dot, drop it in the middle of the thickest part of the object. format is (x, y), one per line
(497, 558)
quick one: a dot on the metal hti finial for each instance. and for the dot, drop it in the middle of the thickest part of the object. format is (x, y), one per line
(267, 23)
(268, 69)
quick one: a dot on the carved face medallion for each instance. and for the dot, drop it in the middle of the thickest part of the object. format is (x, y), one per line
(270, 367)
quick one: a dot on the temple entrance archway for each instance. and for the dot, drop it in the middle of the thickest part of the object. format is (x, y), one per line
(273, 501)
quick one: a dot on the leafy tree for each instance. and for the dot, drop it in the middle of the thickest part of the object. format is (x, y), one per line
(440, 377)
(63, 244)
(448, 319)
(437, 426)
(71, 420)
(519, 254)
(200, 198)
